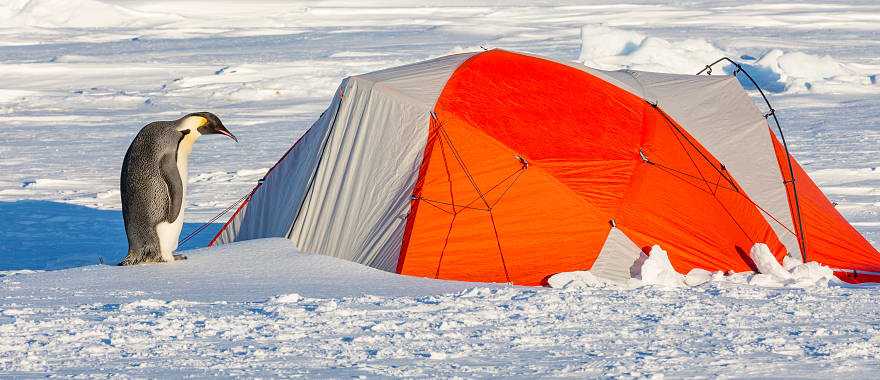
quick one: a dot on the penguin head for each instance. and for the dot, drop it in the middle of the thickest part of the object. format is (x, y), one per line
(205, 123)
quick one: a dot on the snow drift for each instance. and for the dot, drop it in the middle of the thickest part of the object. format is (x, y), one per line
(655, 269)
(612, 49)
(800, 72)
(76, 14)
(775, 70)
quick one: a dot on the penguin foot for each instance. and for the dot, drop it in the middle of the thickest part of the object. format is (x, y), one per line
(179, 257)
(125, 262)
(142, 257)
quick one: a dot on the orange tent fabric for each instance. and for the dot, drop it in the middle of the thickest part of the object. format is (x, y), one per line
(584, 141)
(828, 237)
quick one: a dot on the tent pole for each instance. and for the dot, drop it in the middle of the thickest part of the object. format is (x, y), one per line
(772, 113)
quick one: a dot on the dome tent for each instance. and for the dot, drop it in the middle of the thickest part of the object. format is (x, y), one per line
(505, 167)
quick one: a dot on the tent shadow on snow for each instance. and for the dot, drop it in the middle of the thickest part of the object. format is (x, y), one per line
(44, 235)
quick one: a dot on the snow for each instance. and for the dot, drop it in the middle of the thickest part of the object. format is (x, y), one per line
(792, 272)
(45, 235)
(657, 270)
(317, 316)
(81, 77)
(75, 14)
(697, 277)
(812, 273)
(776, 70)
(611, 49)
(223, 274)
(576, 280)
(801, 72)
(766, 263)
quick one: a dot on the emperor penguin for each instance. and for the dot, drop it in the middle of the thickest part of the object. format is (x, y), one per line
(153, 184)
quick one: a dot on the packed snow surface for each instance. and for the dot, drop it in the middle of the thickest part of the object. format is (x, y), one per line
(261, 309)
(81, 77)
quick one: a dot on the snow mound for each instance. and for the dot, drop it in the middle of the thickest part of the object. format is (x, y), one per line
(609, 48)
(576, 280)
(657, 270)
(76, 14)
(254, 270)
(798, 72)
(287, 298)
(652, 269)
(697, 277)
(613, 49)
(802, 65)
(792, 272)
(766, 263)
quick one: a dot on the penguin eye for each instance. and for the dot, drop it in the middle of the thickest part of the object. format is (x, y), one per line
(185, 132)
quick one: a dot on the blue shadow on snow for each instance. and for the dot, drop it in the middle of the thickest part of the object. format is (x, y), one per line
(44, 235)
(766, 78)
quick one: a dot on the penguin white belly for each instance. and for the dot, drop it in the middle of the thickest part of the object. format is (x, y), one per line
(169, 233)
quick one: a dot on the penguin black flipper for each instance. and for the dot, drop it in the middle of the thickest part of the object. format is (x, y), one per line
(171, 175)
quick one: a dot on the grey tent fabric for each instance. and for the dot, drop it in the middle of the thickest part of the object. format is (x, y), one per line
(422, 82)
(359, 199)
(275, 203)
(356, 208)
(345, 188)
(616, 259)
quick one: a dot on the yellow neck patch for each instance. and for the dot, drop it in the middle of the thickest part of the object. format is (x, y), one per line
(192, 123)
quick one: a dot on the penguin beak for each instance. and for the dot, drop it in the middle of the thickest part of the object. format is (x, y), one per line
(223, 131)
